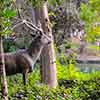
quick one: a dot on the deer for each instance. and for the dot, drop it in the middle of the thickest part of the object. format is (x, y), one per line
(22, 61)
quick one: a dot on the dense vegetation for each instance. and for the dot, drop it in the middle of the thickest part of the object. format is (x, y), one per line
(73, 84)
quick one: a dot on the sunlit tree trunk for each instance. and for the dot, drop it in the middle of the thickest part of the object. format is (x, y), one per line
(3, 73)
(48, 61)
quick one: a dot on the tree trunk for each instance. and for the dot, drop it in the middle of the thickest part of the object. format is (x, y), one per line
(3, 73)
(48, 61)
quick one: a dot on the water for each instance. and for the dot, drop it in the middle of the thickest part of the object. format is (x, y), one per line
(88, 68)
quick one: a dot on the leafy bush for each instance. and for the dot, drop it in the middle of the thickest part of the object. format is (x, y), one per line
(73, 73)
(73, 85)
(74, 90)
(79, 85)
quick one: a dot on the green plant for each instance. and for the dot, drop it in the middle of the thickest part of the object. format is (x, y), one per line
(89, 13)
(6, 14)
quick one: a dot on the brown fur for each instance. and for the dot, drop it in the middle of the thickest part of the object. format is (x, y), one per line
(21, 61)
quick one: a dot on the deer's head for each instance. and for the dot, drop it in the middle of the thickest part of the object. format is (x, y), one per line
(41, 38)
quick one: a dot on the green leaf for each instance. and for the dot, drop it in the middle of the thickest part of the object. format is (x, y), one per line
(9, 13)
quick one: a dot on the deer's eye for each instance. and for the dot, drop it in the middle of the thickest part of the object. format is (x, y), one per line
(33, 35)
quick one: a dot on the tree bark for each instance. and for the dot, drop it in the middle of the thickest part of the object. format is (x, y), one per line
(3, 73)
(48, 60)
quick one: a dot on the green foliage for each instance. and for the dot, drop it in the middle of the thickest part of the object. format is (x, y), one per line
(95, 4)
(6, 13)
(85, 90)
(79, 85)
(55, 2)
(69, 89)
(61, 71)
(87, 10)
(41, 92)
(69, 70)
(34, 77)
(73, 85)
(90, 15)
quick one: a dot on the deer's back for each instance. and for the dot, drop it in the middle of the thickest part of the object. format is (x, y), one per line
(14, 63)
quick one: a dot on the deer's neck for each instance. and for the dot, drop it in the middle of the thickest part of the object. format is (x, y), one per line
(33, 53)
(35, 50)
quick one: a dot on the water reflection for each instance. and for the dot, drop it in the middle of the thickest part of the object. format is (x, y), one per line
(88, 68)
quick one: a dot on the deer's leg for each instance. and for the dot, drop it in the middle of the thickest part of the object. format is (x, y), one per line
(25, 74)
(24, 78)
(0, 84)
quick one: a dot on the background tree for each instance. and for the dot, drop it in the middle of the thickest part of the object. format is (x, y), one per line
(6, 13)
(92, 10)
(48, 61)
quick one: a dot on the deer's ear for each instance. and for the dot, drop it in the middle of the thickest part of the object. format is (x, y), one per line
(33, 35)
